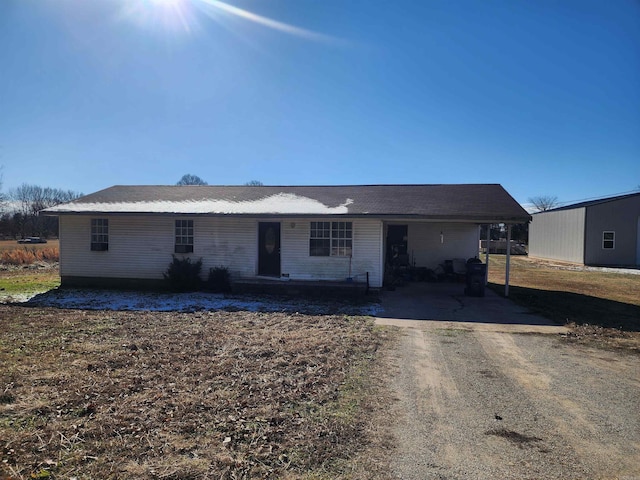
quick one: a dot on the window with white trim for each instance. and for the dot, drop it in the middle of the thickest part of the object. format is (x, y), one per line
(99, 234)
(333, 239)
(608, 240)
(184, 236)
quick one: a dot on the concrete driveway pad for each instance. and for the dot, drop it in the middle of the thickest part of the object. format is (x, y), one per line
(445, 303)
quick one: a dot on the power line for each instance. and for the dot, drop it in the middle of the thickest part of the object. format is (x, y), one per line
(601, 197)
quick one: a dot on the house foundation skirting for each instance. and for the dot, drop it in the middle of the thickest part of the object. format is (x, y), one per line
(146, 284)
(294, 288)
(301, 288)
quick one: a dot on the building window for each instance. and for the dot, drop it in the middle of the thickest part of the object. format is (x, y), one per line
(608, 240)
(320, 239)
(341, 238)
(99, 234)
(184, 236)
(331, 239)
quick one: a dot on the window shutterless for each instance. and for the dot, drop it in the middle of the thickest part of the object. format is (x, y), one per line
(608, 240)
(99, 234)
(184, 236)
(333, 239)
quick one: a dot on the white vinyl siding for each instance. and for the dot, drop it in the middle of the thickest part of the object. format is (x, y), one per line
(366, 253)
(230, 242)
(430, 244)
(141, 247)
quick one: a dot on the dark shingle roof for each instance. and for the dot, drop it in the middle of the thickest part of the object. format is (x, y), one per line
(470, 202)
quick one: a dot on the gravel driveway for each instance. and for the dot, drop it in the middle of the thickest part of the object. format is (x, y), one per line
(508, 399)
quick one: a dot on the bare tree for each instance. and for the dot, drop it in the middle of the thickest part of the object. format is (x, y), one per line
(3, 196)
(188, 179)
(544, 202)
(30, 199)
(33, 198)
(254, 183)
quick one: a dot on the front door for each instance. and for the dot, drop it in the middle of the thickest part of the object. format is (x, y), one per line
(269, 249)
(397, 244)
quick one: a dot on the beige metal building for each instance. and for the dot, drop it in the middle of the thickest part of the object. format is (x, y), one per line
(602, 232)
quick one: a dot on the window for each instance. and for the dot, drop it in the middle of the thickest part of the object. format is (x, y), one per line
(99, 234)
(184, 236)
(320, 239)
(331, 239)
(341, 238)
(608, 240)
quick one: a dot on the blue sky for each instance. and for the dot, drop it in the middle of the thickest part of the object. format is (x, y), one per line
(541, 96)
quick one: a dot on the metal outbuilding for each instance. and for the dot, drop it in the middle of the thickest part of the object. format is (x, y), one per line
(603, 232)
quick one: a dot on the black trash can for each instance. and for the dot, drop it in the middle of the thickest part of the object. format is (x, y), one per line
(476, 273)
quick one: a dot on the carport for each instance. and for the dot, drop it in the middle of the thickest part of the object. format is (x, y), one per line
(419, 246)
(445, 225)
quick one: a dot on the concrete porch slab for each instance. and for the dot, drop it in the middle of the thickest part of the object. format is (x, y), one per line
(444, 305)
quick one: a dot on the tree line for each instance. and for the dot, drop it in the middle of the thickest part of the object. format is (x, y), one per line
(20, 207)
(19, 210)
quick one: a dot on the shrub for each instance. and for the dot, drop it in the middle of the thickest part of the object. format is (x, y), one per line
(183, 275)
(27, 256)
(219, 280)
(50, 254)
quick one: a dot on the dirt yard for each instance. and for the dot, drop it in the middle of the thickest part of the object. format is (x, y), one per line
(482, 403)
(229, 395)
(232, 392)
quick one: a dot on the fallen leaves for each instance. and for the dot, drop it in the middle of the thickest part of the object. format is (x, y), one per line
(179, 395)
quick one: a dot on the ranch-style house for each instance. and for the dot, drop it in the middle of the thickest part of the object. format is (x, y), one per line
(125, 235)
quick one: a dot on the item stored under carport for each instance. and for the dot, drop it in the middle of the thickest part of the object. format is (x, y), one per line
(476, 274)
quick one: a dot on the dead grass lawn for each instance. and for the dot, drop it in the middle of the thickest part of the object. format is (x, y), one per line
(229, 395)
(8, 245)
(603, 308)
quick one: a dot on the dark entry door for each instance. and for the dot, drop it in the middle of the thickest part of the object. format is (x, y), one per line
(269, 248)
(396, 243)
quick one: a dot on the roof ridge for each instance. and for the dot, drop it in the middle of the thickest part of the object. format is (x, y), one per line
(313, 186)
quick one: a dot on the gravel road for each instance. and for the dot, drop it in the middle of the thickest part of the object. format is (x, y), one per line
(478, 401)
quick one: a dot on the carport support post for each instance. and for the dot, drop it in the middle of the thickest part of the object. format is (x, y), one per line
(506, 273)
(486, 254)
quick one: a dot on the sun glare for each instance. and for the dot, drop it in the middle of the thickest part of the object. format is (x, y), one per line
(182, 15)
(166, 3)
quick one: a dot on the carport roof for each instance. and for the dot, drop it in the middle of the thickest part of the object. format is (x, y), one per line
(482, 203)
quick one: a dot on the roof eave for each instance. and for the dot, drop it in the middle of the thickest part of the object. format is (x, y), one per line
(479, 219)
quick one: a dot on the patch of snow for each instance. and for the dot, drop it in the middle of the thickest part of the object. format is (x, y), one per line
(16, 297)
(86, 299)
(628, 271)
(281, 203)
(585, 268)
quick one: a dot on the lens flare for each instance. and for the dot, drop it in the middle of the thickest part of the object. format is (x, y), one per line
(182, 15)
